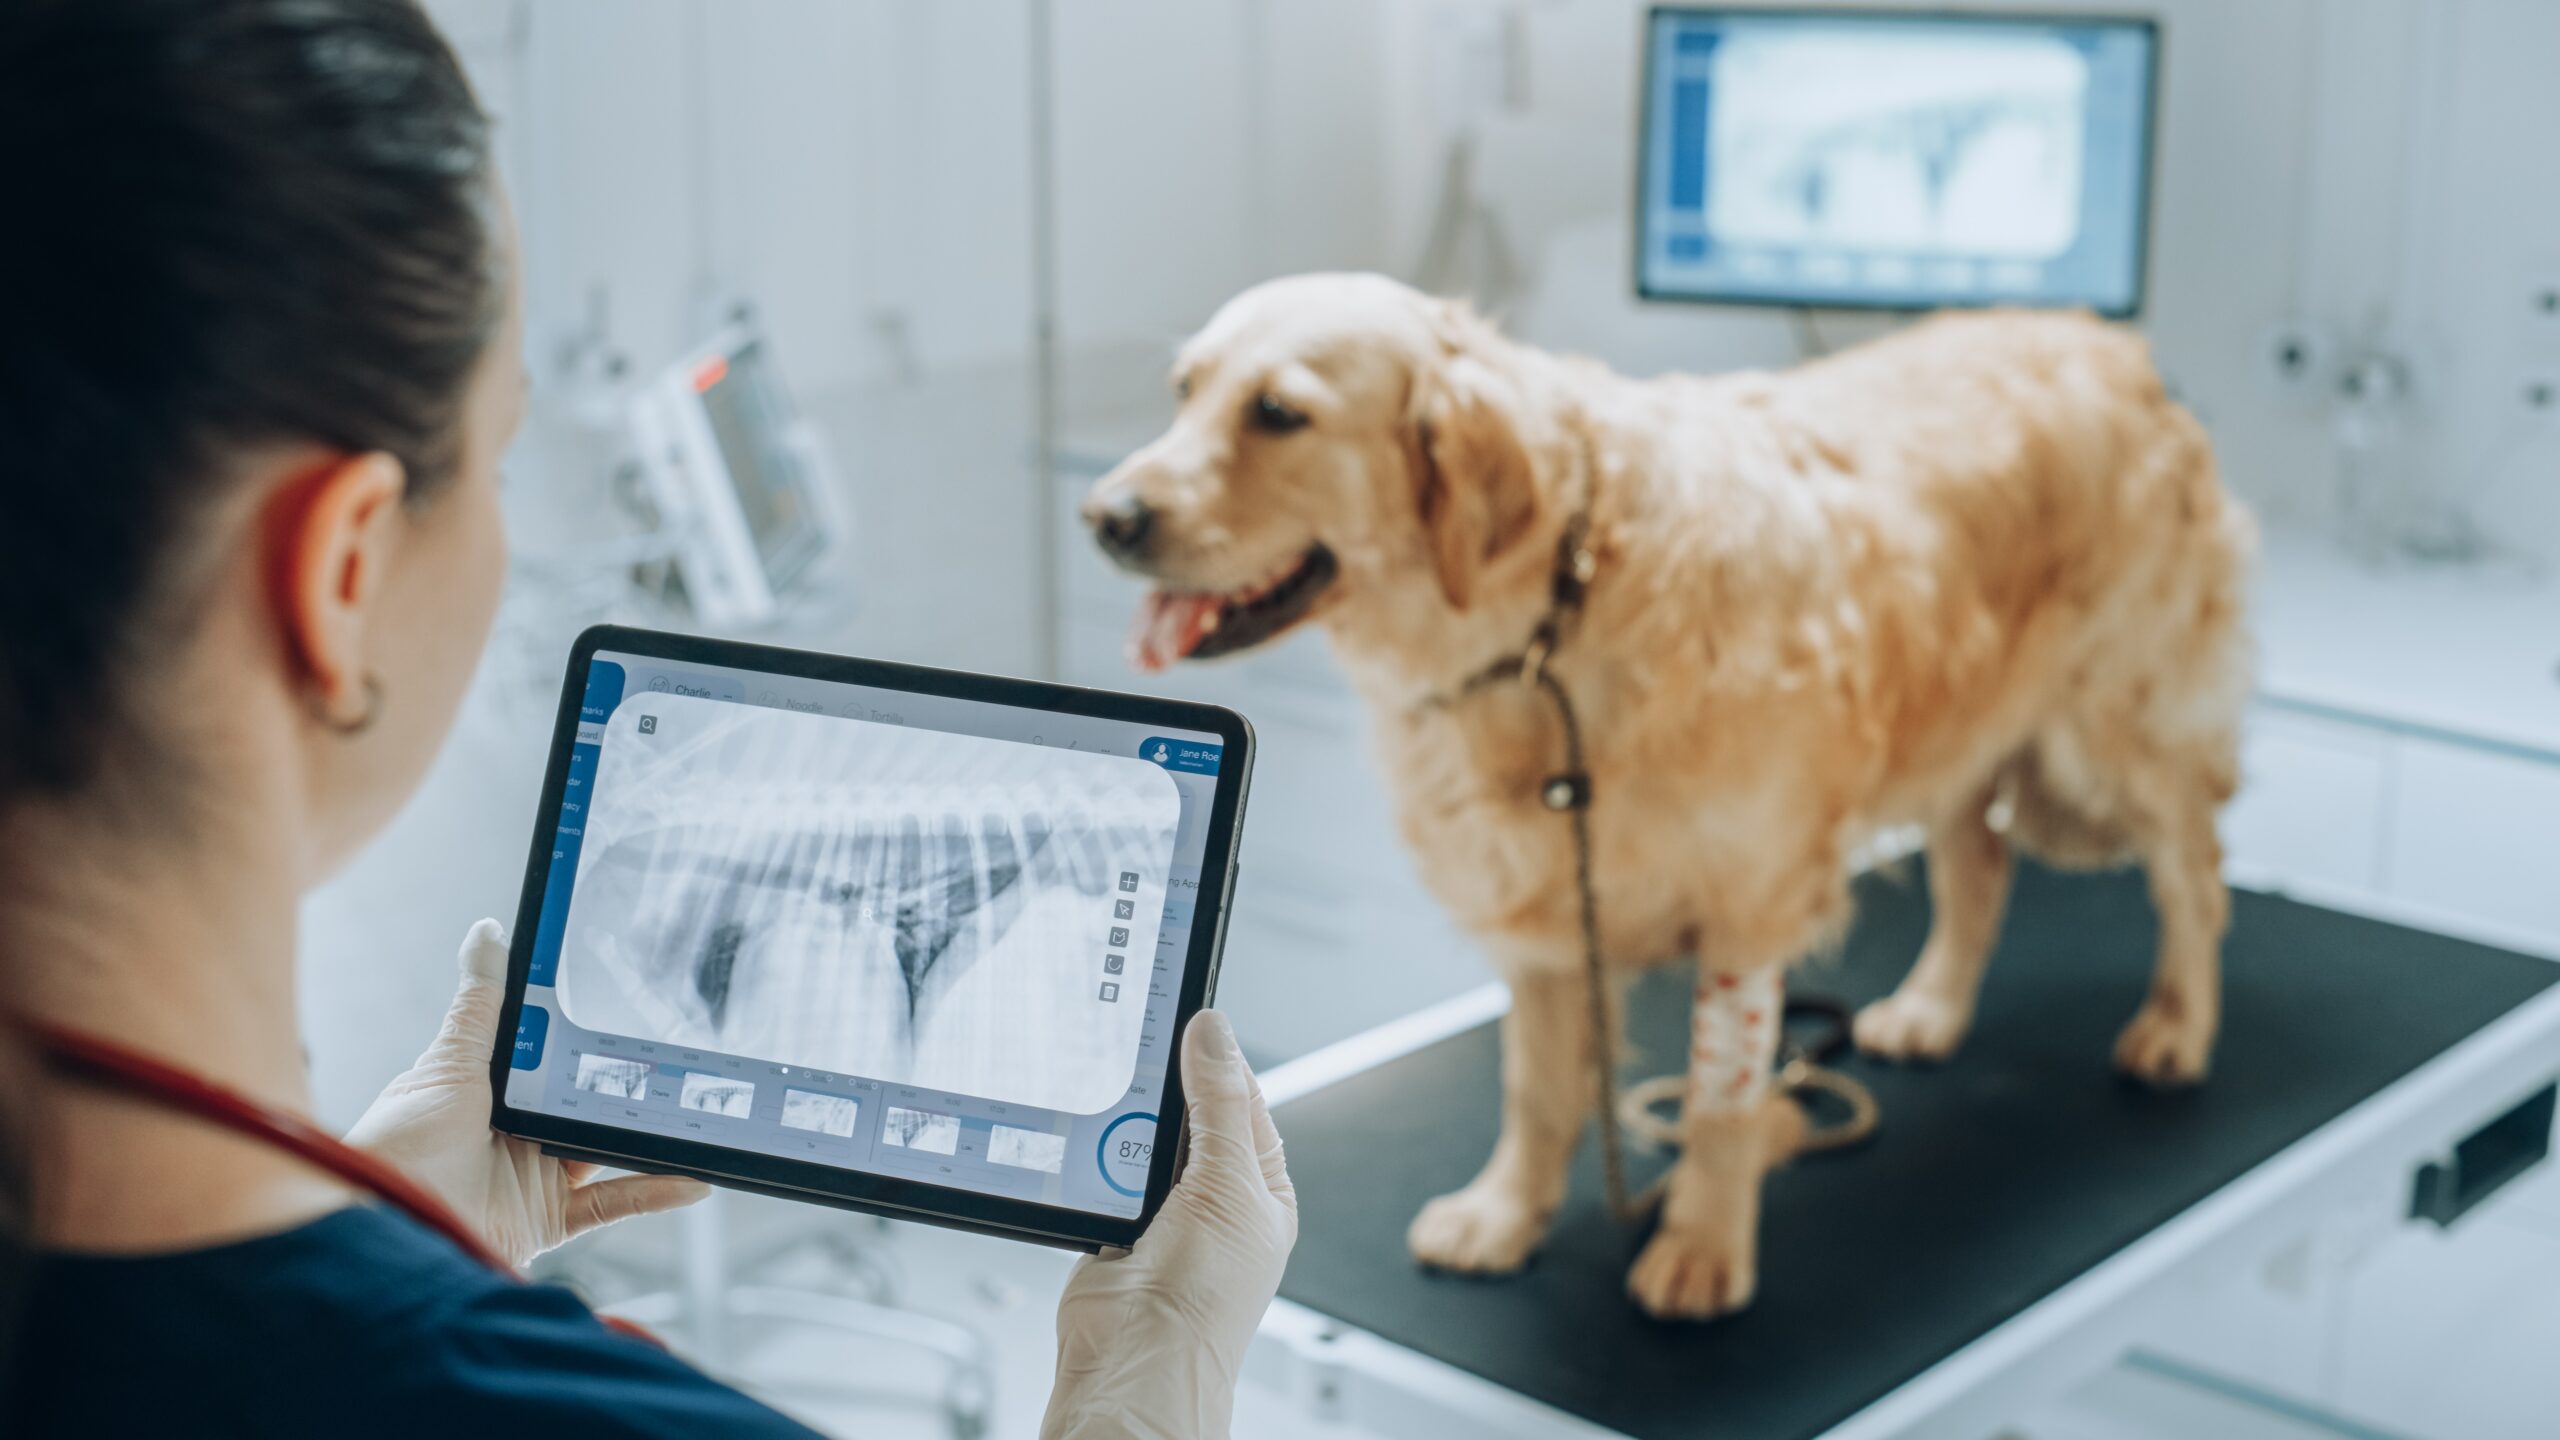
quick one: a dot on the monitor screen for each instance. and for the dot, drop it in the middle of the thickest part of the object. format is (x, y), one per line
(929, 938)
(1888, 160)
(751, 420)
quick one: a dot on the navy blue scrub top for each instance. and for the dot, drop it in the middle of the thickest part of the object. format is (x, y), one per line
(359, 1324)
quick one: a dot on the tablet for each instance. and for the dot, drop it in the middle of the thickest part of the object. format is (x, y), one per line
(908, 941)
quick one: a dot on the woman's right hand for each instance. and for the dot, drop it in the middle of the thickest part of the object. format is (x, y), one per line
(1150, 1341)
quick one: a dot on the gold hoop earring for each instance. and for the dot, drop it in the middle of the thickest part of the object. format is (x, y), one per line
(363, 720)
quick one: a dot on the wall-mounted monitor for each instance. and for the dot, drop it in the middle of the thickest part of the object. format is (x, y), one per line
(1899, 160)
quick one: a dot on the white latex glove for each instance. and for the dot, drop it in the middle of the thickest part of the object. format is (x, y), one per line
(1150, 1340)
(433, 1122)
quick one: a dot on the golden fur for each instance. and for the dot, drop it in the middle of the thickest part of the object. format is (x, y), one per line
(1978, 576)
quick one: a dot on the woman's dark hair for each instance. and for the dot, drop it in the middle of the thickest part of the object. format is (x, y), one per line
(237, 223)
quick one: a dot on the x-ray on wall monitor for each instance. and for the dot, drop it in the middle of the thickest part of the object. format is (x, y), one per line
(1873, 159)
(905, 940)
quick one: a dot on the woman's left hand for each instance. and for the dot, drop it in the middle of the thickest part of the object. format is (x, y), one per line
(433, 1122)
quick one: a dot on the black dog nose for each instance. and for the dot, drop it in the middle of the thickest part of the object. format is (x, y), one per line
(1122, 523)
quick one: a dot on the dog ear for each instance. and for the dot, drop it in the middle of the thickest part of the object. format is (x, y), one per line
(1473, 479)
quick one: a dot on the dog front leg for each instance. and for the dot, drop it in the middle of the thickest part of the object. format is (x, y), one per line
(1704, 1259)
(1493, 1225)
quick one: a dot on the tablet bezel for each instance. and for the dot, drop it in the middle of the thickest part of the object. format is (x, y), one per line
(829, 1184)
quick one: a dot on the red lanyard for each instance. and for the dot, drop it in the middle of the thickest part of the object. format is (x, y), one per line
(150, 1078)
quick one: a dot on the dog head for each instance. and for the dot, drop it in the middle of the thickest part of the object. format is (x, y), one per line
(1347, 449)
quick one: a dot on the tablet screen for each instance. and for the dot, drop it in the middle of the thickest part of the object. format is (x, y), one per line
(929, 938)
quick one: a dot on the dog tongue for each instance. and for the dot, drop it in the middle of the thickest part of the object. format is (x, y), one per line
(1169, 627)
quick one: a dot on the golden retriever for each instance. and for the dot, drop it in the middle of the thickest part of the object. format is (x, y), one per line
(1978, 577)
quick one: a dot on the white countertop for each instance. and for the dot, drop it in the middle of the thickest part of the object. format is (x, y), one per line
(2469, 651)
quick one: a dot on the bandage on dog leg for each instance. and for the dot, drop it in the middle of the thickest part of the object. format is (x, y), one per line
(1733, 1039)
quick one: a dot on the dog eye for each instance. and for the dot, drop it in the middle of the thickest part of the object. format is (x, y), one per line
(1272, 417)
(1182, 388)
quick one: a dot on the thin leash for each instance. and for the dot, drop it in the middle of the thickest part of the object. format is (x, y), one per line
(1802, 1070)
(1569, 791)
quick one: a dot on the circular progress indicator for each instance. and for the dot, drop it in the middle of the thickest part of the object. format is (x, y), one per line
(1128, 1148)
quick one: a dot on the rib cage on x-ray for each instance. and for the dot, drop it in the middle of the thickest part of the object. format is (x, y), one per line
(1919, 145)
(900, 904)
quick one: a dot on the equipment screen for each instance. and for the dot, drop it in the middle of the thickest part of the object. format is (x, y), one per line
(1895, 161)
(751, 423)
(930, 938)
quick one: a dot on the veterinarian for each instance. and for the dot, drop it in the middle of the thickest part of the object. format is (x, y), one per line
(266, 352)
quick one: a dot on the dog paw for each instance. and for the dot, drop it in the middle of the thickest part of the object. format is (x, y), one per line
(2165, 1048)
(1693, 1275)
(1907, 1026)
(1480, 1230)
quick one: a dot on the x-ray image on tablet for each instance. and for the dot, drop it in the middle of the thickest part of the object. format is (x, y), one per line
(827, 1114)
(909, 941)
(733, 1098)
(910, 905)
(621, 1079)
(918, 1130)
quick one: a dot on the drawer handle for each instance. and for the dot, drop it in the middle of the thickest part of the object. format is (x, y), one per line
(2485, 1160)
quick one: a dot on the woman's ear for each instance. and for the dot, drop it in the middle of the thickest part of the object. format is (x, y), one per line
(332, 529)
(1474, 484)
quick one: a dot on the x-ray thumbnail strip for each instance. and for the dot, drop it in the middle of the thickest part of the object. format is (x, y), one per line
(718, 1094)
(612, 1075)
(922, 1130)
(1028, 1149)
(828, 1114)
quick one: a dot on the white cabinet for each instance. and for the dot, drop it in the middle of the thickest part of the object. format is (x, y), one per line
(2312, 800)
(2448, 826)
(2405, 745)
(2477, 832)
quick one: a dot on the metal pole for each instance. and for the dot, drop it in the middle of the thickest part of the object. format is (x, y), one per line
(1044, 338)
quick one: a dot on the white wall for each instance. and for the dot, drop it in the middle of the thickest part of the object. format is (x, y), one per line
(1202, 147)
(2489, 207)
(861, 169)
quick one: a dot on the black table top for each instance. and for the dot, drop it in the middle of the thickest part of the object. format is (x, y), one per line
(1996, 1179)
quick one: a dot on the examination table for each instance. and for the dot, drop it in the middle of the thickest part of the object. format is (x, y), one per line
(2016, 1213)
